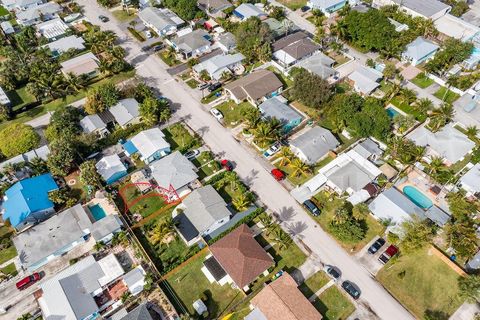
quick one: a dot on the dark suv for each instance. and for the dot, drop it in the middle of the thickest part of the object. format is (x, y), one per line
(376, 246)
(311, 207)
(351, 289)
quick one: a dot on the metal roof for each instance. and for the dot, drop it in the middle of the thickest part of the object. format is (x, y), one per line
(175, 170)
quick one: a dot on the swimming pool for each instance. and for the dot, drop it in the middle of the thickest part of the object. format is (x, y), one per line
(417, 197)
(97, 212)
(392, 112)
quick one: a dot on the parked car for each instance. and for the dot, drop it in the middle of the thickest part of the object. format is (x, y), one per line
(376, 246)
(28, 281)
(214, 86)
(227, 165)
(216, 113)
(311, 207)
(388, 254)
(103, 18)
(332, 272)
(204, 86)
(351, 289)
(158, 47)
(190, 155)
(277, 174)
(148, 34)
(274, 148)
(305, 8)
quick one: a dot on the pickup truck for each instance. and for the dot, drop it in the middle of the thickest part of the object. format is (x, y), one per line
(388, 254)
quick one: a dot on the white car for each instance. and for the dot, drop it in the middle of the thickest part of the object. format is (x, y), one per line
(217, 114)
(274, 148)
(148, 34)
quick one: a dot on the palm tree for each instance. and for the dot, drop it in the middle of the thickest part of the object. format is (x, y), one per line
(341, 215)
(264, 134)
(74, 83)
(423, 105)
(241, 202)
(408, 96)
(252, 117)
(428, 27)
(281, 238)
(267, 222)
(441, 116)
(300, 167)
(162, 231)
(99, 246)
(472, 132)
(435, 166)
(286, 155)
(231, 178)
(394, 90)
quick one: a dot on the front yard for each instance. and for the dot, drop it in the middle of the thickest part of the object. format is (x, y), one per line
(232, 112)
(333, 304)
(446, 95)
(422, 81)
(206, 164)
(314, 283)
(293, 4)
(422, 282)
(8, 250)
(180, 138)
(298, 178)
(123, 16)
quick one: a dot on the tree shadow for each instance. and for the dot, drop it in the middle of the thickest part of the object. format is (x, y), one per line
(296, 228)
(435, 315)
(286, 214)
(251, 177)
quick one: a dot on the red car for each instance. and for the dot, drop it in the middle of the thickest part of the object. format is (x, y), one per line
(28, 281)
(388, 254)
(277, 174)
(227, 165)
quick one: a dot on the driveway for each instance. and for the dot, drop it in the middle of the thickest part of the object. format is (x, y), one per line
(253, 170)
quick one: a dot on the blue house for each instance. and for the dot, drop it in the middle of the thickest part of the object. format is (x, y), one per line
(26, 202)
(111, 168)
(327, 6)
(278, 108)
(418, 51)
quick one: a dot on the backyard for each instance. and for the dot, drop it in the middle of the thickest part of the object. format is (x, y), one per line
(422, 81)
(286, 81)
(168, 57)
(143, 204)
(232, 112)
(180, 138)
(423, 283)
(333, 304)
(446, 95)
(408, 109)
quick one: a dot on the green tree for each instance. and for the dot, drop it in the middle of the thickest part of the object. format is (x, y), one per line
(61, 159)
(311, 89)
(460, 207)
(360, 211)
(372, 120)
(89, 175)
(38, 166)
(281, 239)
(300, 168)
(101, 98)
(462, 235)
(469, 287)
(153, 110)
(423, 105)
(62, 197)
(472, 132)
(253, 40)
(439, 117)
(390, 71)
(241, 202)
(416, 234)
(18, 138)
(286, 156)
(64, 122)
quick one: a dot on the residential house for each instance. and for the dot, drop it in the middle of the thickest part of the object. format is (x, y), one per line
(126, 112)
(470, 181)
(65, 44)
(217, 66)
(141, 312)
(111, 168)
(41, 152)
(281, 300)
(248, 10)
(201, 212)
(192, 44)
(237, 259)
(174, 170)
(4, 99)
(289, 50)
(27, 203)
(327, 6)
(85, 64)
(370, 150)
(214, 8)
(448, 143)
(394, 206)
(280, 28)
(52, 29)
(84, 289)
(314, 144)
(419, 51)
(43, 12)
(456, 28)
(59, 234)
(278, 108)
(7, 27)
(94, 124)
(226, 42)
(319, 64)
(163, 21)
(255, 87)
(427, 9)
(150, 145)
(21, 5)
(365, 80)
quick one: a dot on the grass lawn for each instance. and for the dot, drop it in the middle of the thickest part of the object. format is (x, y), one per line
(232, 112)
(192, 83)
(3, 11)
(20, 98)
(374, 227)
(189, 284)
(408, 109)
(206, 164)
(180, 138)
(212, 96)
(8, 253)
(286, 81)
(123, 16)
(145, 204)
(333, 304)
(78, 188)
(339, 58)
(293, 4)
(301, 179)
(422, 282)
(311, 112)
(422, 81)
(314, 283)
(446, 95)
(9, 269)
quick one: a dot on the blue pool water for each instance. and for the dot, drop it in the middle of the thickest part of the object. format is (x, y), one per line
(392, 112)
(417, 197)
(97, 212)
(476, 51)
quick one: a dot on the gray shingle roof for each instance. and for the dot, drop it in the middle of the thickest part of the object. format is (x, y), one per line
(192, 41)
(315, 143)
(318, 63)
(472, 178)
(256, 85)
(106, 226)
(274, 108)
(216, 65)
(160, 18)
(351, 176)
(139, 313)
(125, 111)
(174, 169)
(427, 8)
(64, 44)
(419, 48)
(91, 123)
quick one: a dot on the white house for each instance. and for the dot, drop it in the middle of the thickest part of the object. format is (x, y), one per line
(43, 12)
(470, 181)
(327, 6)
(218, 65)
(85, 64)
(418, 51)
(163, 21)
(314, 145)
(427, 9)
(126, 112)
(192, 44)
(150, 145)
(52, 29)
(365, 80)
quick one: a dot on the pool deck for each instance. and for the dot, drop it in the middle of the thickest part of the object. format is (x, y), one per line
(108, 207)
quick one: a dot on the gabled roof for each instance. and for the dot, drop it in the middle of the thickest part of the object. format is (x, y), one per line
(52, 28)
(28, 196)
(315, 143)
(288, 40)
(366, 79)
(427, 8)
(192, 41)
(448, 142)
(204, 207)
(160, 18)
(297, 45)
(247, 10)
(147, 142)
(419, 48)
(471, 179)
(35, 12)
(125, 111)
(241, 256)
(281, 300)
(325, 4)
(63, 44)
(91, 123)
(214, 5)
(216, 65)
(174, 169)
(228, 40)
(141, 312)
(110, 165)
(275, 108)
(83, 64)
(367, 148)
(319, 64)
(256, 85)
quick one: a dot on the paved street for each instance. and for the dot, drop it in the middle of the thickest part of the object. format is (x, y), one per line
(253, 171)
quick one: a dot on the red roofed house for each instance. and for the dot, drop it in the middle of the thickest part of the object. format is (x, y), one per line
(237, 258)
(281, 300)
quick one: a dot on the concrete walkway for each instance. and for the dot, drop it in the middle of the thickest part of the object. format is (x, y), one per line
(321, 290)
(311, 266)
(467, 311)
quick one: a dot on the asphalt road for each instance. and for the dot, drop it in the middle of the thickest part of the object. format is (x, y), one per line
(253, 171)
